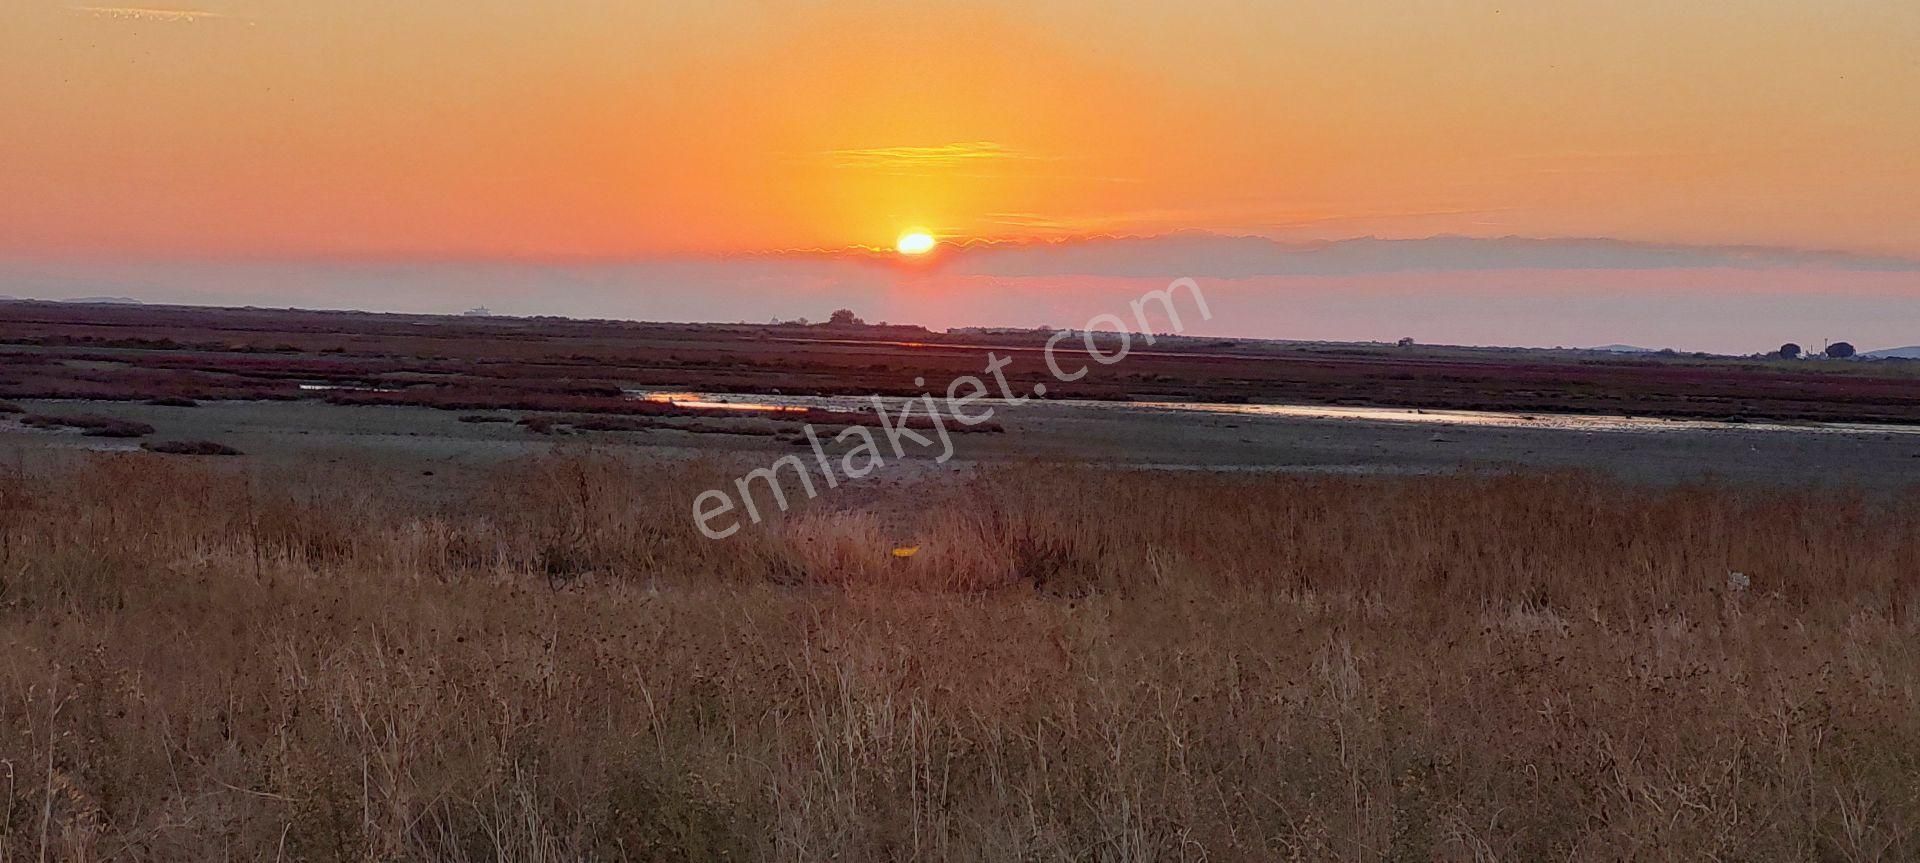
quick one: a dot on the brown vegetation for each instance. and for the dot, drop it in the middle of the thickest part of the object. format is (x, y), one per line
(88, 424)
(189, 447)
(1079, 664)
(552, 364)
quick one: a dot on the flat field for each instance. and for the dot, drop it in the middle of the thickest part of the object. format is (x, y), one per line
(456, 608)
(54, 350)
(323, 664)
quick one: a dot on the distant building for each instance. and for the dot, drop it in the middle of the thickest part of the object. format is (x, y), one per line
(477, 312)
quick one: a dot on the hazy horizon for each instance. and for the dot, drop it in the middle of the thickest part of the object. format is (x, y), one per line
(1509, 292)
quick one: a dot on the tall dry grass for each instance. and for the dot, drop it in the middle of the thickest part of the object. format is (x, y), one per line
(546, 662)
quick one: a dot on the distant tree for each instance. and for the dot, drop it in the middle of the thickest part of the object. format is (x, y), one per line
(1840, 350)
(844, 318)
(1406, 342)
(1790, 351)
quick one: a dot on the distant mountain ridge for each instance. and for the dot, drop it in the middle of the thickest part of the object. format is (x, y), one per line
(1219, 256)
(1911, 352)
(99, 301)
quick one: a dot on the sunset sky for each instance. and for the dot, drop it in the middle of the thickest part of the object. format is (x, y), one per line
(463, 131)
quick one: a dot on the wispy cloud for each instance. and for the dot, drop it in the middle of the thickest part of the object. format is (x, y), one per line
(143, 14)
(939, 157)
(1254, 218)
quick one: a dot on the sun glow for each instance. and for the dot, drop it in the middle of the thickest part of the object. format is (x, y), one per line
(915, 243)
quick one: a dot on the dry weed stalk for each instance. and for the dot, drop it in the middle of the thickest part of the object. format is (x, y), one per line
(548, 663)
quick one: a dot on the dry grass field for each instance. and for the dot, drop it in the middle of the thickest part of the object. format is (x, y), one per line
(209, 659)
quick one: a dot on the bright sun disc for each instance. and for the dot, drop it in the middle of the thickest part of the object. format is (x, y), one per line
(915, 243)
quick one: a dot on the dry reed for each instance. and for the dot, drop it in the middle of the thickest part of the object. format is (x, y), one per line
(547, 662)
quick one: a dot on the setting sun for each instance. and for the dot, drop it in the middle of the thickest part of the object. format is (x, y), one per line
(915, 243)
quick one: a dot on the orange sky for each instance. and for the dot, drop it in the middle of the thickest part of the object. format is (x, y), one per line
(461, 129)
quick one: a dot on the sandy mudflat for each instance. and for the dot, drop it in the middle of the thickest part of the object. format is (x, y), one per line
(423, 438)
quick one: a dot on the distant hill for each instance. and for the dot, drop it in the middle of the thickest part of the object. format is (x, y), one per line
(1911, 352)
(1207, 255)
(1624, 349)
